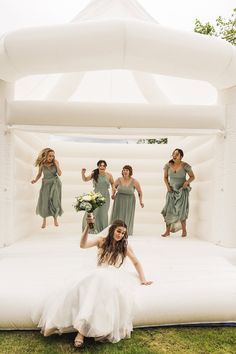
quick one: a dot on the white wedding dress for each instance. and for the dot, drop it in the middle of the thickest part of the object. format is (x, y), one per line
(100, 305)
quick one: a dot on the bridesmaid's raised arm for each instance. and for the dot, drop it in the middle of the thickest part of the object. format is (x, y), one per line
(85, 178)
(56, 163)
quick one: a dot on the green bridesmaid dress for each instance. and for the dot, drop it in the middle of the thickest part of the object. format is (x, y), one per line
(49, 201)
(101, 214)
(124, 205)
(176, 208)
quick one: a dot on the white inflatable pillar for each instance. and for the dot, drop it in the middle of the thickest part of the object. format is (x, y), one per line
(226, 220)
(6, 175)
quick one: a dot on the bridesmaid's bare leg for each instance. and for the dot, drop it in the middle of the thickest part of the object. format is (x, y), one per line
(79, 340)
(44, 223)
(184, 231)
(167, 232)
(56, 222)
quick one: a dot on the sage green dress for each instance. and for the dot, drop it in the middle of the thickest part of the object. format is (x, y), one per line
(124, 205)
(101, 213)
(176, 208)
(49, 201)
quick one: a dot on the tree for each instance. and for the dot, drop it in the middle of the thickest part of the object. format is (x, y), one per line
(153, 141)
(225, 29)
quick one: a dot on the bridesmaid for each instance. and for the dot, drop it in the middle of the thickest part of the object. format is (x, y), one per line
(101, 183)
(176, 209)
(49, 201)
(124, 199)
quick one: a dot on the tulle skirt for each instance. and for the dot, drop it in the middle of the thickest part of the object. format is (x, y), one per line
(100, 305)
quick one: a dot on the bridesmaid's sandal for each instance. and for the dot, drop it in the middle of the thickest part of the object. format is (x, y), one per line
(79, 341)
(184, 235)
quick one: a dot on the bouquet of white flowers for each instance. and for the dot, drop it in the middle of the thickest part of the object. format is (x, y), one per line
(89, 202)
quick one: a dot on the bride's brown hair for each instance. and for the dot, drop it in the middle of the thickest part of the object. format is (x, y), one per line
(110, 251)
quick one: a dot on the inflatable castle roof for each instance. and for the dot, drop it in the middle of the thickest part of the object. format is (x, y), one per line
(114, 34)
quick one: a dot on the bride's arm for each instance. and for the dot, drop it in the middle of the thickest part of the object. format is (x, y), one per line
(138, 266)
(84, 242)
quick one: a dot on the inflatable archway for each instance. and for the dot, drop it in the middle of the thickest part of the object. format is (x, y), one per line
(117, 44)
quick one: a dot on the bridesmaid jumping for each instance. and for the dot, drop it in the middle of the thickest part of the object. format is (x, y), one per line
(101, 183)
(49, 201)
(124, 198)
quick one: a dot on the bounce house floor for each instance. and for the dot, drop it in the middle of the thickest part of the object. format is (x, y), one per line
(194, 281)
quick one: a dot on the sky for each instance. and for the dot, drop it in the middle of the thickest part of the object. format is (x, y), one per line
(179, 14)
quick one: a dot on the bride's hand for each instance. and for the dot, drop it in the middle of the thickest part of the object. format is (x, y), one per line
(90, 219)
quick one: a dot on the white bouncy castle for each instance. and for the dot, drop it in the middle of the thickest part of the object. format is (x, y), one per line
(107, 80)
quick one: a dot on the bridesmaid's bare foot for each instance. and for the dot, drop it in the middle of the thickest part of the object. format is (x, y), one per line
(56, 222)
(43, 224)
(165, 234)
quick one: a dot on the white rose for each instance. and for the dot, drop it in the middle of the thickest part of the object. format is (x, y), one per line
(87, 198)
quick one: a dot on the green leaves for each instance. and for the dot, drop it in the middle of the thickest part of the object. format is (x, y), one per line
(223, 28)
(153, 141)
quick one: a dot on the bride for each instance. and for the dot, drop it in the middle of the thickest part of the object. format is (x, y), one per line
(100, 305)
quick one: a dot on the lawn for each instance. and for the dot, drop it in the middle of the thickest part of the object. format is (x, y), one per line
(164, 340)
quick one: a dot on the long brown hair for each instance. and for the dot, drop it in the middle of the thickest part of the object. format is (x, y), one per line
(180, 151)
(110, 251)
(95, 172)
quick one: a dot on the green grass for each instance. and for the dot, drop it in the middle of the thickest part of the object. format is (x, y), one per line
(168, 340)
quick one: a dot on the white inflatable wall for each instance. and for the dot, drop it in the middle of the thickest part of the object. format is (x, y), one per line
(147, 161)
(25, 147)
(205, 153)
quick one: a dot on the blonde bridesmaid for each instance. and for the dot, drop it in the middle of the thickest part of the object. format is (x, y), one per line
(49, 201)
